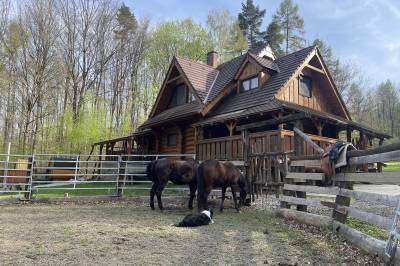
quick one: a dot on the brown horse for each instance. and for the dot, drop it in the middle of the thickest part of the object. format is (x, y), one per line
(178, 172)
(211, 174)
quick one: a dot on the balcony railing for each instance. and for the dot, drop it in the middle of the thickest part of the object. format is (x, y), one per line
(231, 148)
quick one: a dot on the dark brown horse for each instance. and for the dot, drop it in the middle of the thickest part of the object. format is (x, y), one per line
(212, 174)
(178, 172)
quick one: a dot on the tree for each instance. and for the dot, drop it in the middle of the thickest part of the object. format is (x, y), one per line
(238, 43)
(176, 38)
(274, 37)
(226, 35)
(292, 25)
(326, 52)
(250, 20)
(388, 105)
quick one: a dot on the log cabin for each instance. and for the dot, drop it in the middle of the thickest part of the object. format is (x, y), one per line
(203, 108)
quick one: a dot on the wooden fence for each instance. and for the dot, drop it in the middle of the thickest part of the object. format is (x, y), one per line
(297, 184)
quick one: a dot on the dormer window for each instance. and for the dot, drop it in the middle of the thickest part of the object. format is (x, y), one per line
(305, 88)
(249, 84)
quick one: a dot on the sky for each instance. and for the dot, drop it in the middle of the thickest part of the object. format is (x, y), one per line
(366, 32)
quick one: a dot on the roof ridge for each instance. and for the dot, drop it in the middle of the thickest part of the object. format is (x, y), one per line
(292, 53)
(191, 60)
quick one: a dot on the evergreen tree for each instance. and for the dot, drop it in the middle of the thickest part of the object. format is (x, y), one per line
(292, 26)
(126, 22)
(250, 20)
(274, 37)
(326, 52)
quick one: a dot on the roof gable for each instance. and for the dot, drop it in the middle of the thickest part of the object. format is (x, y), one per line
(179, 69)
(319, 70)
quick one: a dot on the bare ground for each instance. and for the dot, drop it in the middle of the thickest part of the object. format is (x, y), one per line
(129, 233)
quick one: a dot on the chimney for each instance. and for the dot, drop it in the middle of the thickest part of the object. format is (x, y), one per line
(212, 58)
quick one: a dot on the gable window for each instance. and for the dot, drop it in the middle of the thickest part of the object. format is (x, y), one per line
(178, 96)
(305, 88)
(181, 95)
(171, 139)
(249, 84)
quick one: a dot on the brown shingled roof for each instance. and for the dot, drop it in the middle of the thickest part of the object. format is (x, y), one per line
(201, 76)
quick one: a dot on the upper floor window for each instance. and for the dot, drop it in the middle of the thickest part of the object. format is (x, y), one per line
(249, 84)
(305, 86)
(181, 95)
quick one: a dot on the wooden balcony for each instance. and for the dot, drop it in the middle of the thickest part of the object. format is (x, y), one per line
(231, 148)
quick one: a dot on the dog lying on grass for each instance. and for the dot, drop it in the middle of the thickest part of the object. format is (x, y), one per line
(193, 220)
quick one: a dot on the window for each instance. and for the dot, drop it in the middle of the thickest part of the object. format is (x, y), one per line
(305, 86)
(181, 95)
(250, 83)
(171, 139)
(178, 96)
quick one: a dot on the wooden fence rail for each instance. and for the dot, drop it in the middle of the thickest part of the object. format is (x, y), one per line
(297, 184)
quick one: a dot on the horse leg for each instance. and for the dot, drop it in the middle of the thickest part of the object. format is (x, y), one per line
(202, 201)
(159, 191)
(235, 199)
(192, 187)
(152, 193)
(221, 207)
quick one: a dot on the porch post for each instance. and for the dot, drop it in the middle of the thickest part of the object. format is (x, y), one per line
(380, 165)
(348, 134)
(246, 153)
(231, 126)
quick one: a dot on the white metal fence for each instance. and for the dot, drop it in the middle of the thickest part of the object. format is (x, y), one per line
(112, 174)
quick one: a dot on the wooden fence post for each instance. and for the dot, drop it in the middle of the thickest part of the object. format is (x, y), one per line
(339, 214)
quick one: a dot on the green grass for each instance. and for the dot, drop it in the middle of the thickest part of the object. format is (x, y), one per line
(392, 167)
(94, 189)
(368, 229)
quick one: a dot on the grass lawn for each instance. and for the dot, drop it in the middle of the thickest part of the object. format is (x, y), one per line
(129, 233)
(368, 229)
(392, 167)
(96, 189)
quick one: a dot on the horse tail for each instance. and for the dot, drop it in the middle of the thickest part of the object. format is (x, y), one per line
(200, 182)
(150, 170)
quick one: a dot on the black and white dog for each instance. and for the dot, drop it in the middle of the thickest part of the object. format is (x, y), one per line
(193, 220)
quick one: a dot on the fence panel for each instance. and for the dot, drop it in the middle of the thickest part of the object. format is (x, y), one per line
(73, 174)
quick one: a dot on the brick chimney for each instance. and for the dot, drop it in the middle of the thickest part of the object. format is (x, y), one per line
(212, 58)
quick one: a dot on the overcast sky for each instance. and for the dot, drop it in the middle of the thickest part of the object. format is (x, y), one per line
(364, 31)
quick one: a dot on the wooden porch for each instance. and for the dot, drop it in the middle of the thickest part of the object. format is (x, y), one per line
(231, 148)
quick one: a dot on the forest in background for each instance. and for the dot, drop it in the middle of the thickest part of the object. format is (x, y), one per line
(73, 72)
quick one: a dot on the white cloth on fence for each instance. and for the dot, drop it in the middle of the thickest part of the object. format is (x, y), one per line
(342, 161)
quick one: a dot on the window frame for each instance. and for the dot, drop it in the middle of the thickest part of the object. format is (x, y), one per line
(249, 79)
(169, 144)
(174, 95)
(305, 77)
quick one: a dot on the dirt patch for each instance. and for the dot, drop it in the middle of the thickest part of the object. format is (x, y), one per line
(129, 233)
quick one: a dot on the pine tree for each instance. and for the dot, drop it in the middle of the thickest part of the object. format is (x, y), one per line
(292, 25)
(250, 20)
(274, 37)
(126, 22)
